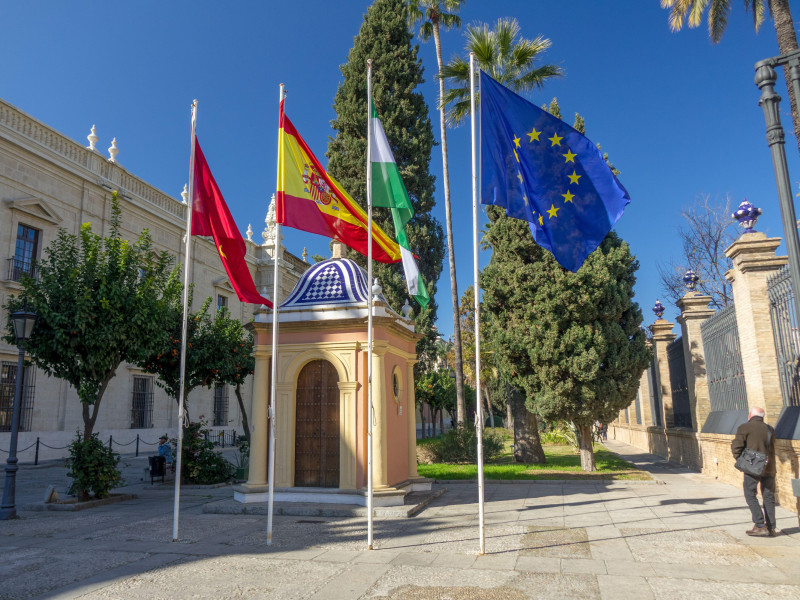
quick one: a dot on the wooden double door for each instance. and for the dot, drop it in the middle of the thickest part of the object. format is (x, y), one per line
(316, 442)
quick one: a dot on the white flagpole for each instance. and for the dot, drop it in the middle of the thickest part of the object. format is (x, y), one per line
(476, 269)
(274, 370)
(370, 416)
(184, 327)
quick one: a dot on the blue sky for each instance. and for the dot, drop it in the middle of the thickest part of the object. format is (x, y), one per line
(678, 116)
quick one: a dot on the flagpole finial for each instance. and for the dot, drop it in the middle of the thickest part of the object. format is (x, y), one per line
(369, 62)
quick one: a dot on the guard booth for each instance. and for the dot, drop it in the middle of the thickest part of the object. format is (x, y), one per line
(321, 407)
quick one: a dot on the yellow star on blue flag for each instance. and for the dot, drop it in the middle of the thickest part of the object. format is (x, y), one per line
(528, 179)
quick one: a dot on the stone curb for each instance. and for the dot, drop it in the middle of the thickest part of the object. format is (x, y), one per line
(549, 481)
(76, 506)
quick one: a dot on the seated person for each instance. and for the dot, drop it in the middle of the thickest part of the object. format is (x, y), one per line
(165, 449)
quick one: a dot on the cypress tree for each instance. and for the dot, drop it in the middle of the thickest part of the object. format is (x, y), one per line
(396, 72)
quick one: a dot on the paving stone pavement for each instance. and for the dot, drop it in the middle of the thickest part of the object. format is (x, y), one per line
(680, 536)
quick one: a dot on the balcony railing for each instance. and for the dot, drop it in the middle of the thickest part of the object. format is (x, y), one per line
(17, 269)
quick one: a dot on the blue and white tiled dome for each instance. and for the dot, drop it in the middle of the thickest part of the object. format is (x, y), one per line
(336, 281)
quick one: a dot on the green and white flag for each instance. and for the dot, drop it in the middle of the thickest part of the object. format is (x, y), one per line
(388, 191)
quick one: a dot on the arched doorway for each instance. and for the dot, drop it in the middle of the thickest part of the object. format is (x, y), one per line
(316, 442)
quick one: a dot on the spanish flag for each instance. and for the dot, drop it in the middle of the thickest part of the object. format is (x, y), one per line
(311, 200)
(211, 217)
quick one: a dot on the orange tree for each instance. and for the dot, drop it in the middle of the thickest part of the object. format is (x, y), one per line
(219, 351)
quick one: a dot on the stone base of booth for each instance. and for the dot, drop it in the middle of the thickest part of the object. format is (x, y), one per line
(710, 453)
(381, 496)
(248, 494)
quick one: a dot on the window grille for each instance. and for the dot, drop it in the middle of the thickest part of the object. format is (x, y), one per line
(220, 405)
(8, 382)
(142, 402)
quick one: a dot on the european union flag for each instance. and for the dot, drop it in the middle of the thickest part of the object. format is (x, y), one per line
(540, 169)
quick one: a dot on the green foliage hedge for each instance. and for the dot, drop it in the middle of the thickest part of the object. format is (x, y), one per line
(459, 445)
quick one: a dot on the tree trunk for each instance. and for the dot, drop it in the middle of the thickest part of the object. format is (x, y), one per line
(441, 420)
(509, 411)
(245, 422)
(433, 421)
(488, 406)
(527, 445)
(451, 257)
(787, 42)
(587, 449)
(422, 419)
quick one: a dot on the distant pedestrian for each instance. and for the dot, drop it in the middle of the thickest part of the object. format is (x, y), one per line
(760, 437)
(604, 431)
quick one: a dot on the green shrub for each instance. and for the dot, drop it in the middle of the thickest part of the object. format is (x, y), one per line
(560, 433)
(200, 462)
(428, 454)
(460, 445)
(92, 467)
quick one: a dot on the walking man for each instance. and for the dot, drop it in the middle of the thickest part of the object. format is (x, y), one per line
(758, 436)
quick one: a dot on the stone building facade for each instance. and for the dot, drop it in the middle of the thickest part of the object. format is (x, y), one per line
(47, 182)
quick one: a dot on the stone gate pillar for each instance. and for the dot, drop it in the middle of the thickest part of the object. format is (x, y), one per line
(662, 337)
(694, 310)
(754, 260)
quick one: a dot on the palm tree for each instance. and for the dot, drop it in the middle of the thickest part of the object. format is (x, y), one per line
(434, 14)
(691, 12)
(502, 54)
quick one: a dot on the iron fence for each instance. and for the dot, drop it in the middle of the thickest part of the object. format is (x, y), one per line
(654, 383)
(726, 385)
(785, 334)
(679, 385)
(222, 437)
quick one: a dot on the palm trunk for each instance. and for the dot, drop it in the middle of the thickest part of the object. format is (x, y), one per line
(509, 411)
(489, 410)
(787, 42)
(587, 449)
(451, 257)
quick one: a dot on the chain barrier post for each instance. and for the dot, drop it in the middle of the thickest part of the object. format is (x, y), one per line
(36, 458)
(110, 442)
(137, 444)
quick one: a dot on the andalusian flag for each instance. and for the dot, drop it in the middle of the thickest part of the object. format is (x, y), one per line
(388, 191)
(311, 200)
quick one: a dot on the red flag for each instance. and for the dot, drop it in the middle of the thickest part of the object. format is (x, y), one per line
(210, 216)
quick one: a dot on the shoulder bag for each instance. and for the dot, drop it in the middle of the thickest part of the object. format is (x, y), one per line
(752, 462)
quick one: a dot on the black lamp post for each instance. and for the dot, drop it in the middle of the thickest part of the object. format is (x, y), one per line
(23, 321)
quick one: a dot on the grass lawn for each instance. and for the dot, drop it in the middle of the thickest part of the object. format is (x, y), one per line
(562, 463)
